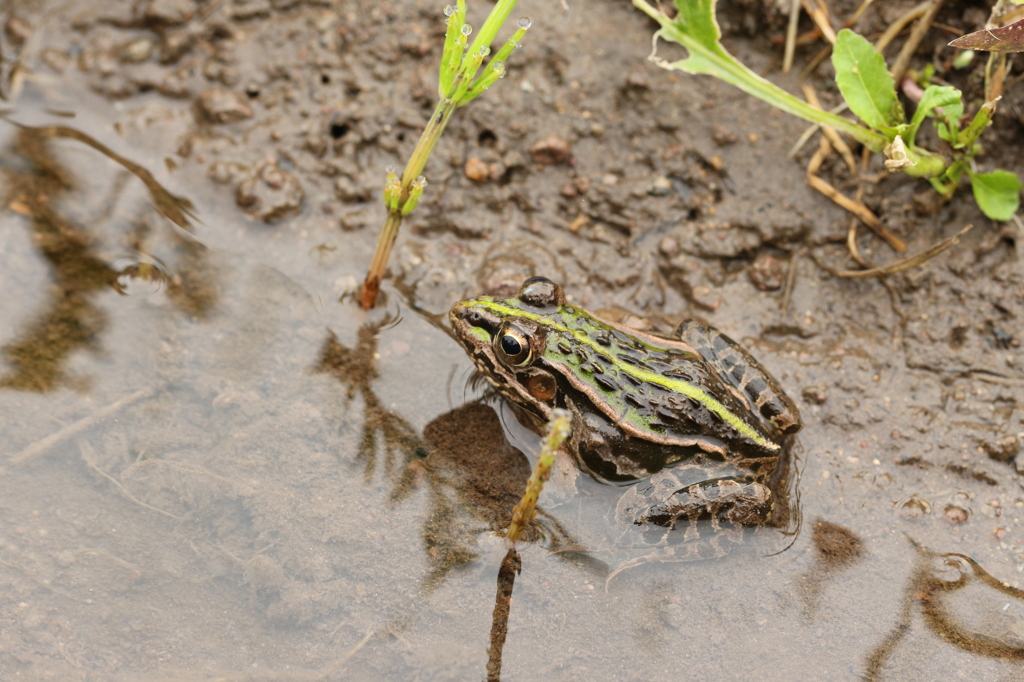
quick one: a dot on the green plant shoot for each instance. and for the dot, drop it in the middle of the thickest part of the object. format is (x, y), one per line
(869, 91)
(463, 77)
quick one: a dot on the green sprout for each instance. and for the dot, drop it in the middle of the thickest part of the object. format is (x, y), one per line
(870, 92)
(463, 77)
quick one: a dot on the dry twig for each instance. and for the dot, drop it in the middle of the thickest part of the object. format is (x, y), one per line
(41, 446)
(900, 265)
(855, 207)
(899, 67)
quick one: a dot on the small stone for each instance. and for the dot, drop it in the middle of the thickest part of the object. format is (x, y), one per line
(169, 12)
(136, 51)
(673, 616)
(722, 135)
(660, 187)
(174, 45)
(569, 190)
(223, 172)
(1018, 463)
(220, 105)
(351, 191)
(928, 202)
(1003, 449)
(766, 272)
(496, 170)
(637, 79)
(270, 193)
(17, 30)
(582, 184)
(263, 573)
(955, 514)
(550, 151)
(815, 395)
(669, 246)
(476, 170)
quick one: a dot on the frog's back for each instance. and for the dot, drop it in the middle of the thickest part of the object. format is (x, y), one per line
(659, 389)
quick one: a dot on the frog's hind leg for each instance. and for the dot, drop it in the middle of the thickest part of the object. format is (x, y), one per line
(743, 373)
(703, 541)
(736, 500)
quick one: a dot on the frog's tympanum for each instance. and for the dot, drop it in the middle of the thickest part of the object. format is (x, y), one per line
(694, 422)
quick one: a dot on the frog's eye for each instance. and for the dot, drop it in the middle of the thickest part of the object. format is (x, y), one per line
(541, 292)
(513, 346)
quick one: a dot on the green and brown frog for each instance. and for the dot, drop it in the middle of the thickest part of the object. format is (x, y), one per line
(695, 424)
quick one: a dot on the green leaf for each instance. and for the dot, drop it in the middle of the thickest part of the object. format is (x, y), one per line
(997, 193)
(934, 97)
(695, 28)
(865, 82)
(948, 125)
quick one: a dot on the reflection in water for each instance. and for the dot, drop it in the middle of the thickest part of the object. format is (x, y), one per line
(356, 368)
(474, 476)
(835, 549)
(962, 604)
(511, 566)
(73, 320)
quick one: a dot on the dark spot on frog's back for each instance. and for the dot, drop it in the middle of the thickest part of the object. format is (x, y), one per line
(607, 383)
(633, 400)
(721, 343)
(755, 387)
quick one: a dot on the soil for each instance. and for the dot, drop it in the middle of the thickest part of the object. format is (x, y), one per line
(214, 465)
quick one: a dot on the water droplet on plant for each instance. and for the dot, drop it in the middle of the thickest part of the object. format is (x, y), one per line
(466, 29)
(421, 180)
(484, 50)
(524, 23)
(500, 68)
(390, 168)
(449, 10)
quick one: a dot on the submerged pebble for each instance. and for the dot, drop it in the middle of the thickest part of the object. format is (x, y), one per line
(270, 193)
(220, 105)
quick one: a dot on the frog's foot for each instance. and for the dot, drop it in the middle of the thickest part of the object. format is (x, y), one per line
(712, 543)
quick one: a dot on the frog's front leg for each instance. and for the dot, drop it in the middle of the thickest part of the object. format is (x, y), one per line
(664, 501)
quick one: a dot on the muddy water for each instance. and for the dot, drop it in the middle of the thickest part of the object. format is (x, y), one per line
(212, 467)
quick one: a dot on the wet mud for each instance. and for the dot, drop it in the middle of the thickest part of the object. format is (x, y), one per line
(214, 465)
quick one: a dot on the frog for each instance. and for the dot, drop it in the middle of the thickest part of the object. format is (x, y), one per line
(691, 424)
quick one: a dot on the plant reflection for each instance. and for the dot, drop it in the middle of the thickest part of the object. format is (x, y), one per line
(962, 604)
(474, 476)
(356, 368)
(73, 320)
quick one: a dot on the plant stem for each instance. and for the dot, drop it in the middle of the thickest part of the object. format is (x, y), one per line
(525, 511)
(413, 169)
(371, 285)
(714, 60)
